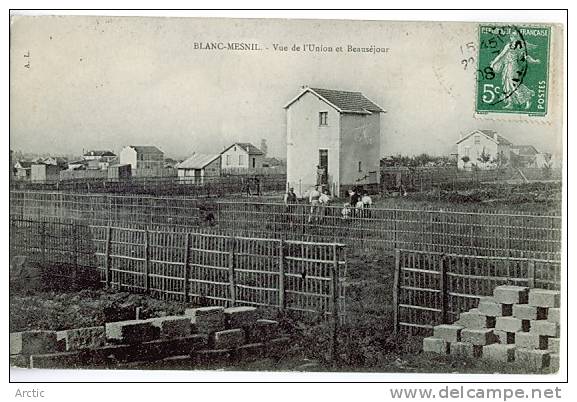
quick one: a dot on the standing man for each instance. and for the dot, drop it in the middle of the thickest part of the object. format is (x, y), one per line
(321, 175)
(314, 197)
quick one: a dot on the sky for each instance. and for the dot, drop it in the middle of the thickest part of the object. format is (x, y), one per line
(80, 83)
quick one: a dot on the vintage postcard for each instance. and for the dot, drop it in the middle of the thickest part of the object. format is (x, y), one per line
(291, 195)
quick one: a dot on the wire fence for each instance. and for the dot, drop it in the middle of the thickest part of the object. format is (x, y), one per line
(496, 234)
(205, 269)
(433, 288)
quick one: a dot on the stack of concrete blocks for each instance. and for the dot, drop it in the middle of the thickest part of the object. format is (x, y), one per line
(515, 324)
(206, 334)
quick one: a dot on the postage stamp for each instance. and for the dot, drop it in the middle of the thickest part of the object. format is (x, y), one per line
(513, 70)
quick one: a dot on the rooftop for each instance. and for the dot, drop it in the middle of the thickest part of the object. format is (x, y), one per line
(343, 101)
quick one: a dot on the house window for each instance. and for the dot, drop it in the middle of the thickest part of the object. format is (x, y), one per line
(240, 159)
(467, 150)
(477, 139)
(323, 117)
(227, 160)
(360, 166)
(253, 162)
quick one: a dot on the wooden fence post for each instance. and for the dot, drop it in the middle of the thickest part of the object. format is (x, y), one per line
(43, 241)
(281, 278)
(146, 262)
(531, 274)
(396, 290)
(107, 256)
(231, 262)
(334, 290)
(443, 286)
(186, 265)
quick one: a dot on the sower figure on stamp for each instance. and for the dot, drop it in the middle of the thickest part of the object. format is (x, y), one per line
(512, 64)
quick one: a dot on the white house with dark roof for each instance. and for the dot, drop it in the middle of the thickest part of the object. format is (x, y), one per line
(199, 169)
(241, 155)
(482, 144)
(338, 131)
(142, 157)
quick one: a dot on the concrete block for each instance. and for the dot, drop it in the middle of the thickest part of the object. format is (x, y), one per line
(475, 320)
(499, 352)
(508, 294)
(532, 359)
(227, 339)
(527, 312)
(278, 346)
(206, 320)
(264, 330)
(176, 326)
(33, 342)
(212, 356)
(21, 361)
(241, 317)
(495, 309)
(250, 351)
(546, 328)
(511, 324)
(465, 349)
(450, 333)
(554, 315)
(110, 355)
(62, 360)
(478, 336)
(163, 348)
(131, 331)
(504, 338)
(528, 340)
(82, 338)
(554, 362)
(553, 344)
(544, 298)
(435, 345)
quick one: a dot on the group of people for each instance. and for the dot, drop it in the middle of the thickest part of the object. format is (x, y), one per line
(319, 197)
(359, 201)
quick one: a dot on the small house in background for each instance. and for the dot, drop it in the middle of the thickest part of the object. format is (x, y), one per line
(22, 170)
(199, 169)
(44, 173)
(241, 155)
(333, 138)
(99, 159)
(484, 149)
(523, 155)
(142, 157)
(119, 172)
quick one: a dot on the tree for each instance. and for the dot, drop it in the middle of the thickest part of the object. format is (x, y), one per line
(484, 157)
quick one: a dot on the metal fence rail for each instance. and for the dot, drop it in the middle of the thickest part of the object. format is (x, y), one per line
(433, 288)
(471, 233)
(198, 267)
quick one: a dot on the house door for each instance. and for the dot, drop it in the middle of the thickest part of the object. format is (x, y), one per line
(197, 176)
(253, 162)
(323, 168)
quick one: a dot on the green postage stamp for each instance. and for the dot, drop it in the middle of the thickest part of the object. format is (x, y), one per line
(513, 69)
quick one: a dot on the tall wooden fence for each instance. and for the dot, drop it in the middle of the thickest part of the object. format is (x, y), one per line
(203, 268)
(433, 288)
(470, 233)
(496, 233)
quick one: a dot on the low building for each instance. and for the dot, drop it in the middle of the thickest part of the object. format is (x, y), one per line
(199, 169)
(119, 172)
(142, 157)
(241, 155)
(484, 149)
(105, 156)
(22, 170)
(44, 173)
(523, 155)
